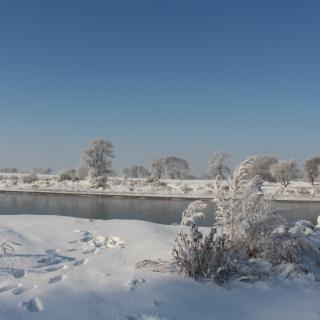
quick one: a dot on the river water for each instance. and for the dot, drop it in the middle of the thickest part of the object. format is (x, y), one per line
(164, 211)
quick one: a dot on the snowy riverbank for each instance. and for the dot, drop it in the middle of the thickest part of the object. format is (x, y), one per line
(71, 268)
(116, 186)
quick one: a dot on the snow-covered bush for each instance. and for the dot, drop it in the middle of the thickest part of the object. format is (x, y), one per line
(99, 182)
(68, 175)
(203, 257)
(243, 212)
(248, 238)
(14, 179)
(30, 178)
(292, 245)
(193, 212)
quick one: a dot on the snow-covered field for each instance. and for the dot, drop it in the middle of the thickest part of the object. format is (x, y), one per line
(70, 268)
(297, 190)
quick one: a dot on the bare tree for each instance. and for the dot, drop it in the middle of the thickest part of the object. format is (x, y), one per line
(284, 171)
(98, 157)
(176, 168)
(261, 167)
(217, 166)
(311, 168)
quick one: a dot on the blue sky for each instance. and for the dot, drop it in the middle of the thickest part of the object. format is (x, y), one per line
(183, 78)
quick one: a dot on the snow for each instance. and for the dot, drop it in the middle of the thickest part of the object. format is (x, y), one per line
(71, 268)
(193, 189)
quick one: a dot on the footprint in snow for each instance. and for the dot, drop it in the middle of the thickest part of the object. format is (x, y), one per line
(80, 262)
(56, 268)
(72, 250)
(56, 279)
(73, 241)
(136, 282)
(91, 251)
(21, 289)
(18, 273)
(33, 305)
(8, 287)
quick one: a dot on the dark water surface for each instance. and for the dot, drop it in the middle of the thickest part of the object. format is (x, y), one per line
(164, 211)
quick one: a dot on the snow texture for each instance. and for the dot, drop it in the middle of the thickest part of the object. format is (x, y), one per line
(125, 279)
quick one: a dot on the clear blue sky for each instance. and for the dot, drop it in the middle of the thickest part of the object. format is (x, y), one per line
(167, 77)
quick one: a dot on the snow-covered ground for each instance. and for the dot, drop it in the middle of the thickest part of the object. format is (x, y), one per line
(297, 190)
(70, 268)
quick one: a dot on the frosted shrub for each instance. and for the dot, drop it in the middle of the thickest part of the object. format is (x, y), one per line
(193, 212)
(248, 237)
(243, 213)
(203, 257)
(291, 245)
(30, 178)
(14, 180)
(68, 175)
(99, 182)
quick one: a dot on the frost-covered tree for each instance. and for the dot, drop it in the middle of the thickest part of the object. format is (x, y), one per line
(8, 170)
(136, 172)
(157, 168)
(82, 171)
(217, 166)
(311, 168)
(143, 172)
(98, 157)
(261, 167)
(175, 168)
(284, 171)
